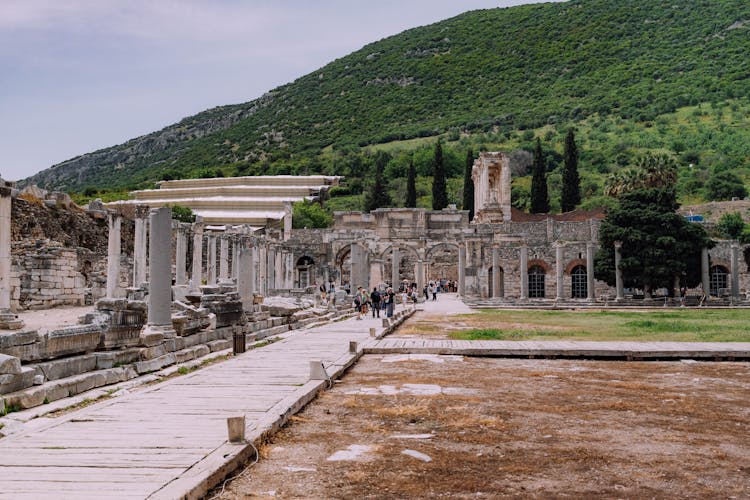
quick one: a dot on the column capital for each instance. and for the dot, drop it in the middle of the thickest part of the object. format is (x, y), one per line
(618, 244)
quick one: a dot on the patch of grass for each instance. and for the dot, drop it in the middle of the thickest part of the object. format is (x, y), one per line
(685, 325)
(9, 408)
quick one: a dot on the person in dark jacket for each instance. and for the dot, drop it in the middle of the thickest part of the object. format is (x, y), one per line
(375, 299)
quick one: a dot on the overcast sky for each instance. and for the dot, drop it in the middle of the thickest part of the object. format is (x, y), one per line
(80, 75)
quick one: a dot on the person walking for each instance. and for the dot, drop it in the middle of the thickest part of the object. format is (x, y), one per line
(375, 300)
(358, 303)
(389, 304)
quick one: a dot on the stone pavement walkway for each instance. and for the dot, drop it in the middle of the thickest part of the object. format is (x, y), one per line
(170, 439)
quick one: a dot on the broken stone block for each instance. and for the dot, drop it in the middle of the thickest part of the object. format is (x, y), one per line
(154, 364)
(19, 381)
(27, 398)
(9, 364)
(68, 367)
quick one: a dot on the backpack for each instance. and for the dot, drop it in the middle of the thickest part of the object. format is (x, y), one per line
(356, 300)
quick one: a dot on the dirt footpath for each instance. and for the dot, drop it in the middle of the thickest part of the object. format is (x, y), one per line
(450, 427)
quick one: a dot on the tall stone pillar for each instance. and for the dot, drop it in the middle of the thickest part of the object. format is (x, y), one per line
(270, 268)
(223, 257)
(496, 292)
(180, 277)
(246, 274)
(619, 289)
(197, 271)
(590, 288)
(524, 269)
(211, 261)
(462, 270)
(263, 269)
(420, 276)
(113, 255)
(159, 324)
(8, 320)
(735, 248)
(395, 267)
(235, 257)
(705, 278)
(140, 243)
(559, 270)
(287, 221)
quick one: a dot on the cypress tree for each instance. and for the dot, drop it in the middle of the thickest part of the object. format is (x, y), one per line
(571, 189)
(539, 196)
(439, 190)
(469, 185)
(411, 186)
(378, 197)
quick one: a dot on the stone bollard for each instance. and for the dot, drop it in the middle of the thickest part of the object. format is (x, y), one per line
(236, 429)
(353, 346)
(372, 332)
(318, 371)
(386, 322)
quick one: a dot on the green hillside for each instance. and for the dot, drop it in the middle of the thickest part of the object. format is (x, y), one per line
(631, 75)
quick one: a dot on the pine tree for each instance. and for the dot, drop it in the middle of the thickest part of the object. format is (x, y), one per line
(469, 185)
(539, 196)
(439, 190)
(411, 186)
(571, 188)
(378, 196)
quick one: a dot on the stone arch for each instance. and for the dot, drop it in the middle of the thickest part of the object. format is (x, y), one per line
(408, 258)
(304, 271)
(345, 265)
(573, 264)
(539, 262)
(442, 262)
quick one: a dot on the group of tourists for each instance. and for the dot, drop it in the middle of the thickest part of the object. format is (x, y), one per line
(376, 301)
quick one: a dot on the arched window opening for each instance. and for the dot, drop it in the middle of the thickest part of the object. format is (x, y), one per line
(718, 281)
(579, 283)
(536, 282)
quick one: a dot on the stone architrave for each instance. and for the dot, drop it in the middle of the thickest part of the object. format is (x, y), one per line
(524, 269)
(223, 257)
(8, 320)
(395, 267)
(159, 324)
(113, 255)
(462, 270)
(590, 288)
(140, 244)
(246, 275)
(495, 274)
(559, 269)
(197, 271)
(180, 277)
(619, 289)
(735, 248)
(705, 277)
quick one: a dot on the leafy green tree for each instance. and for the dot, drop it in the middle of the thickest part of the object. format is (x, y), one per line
(658, 244)
(731, 225)
(308, 214)
(439, 188)
(725, 186)
(571, 188)
(539, 195)
(469, 185)
(182, 214)
(411, 186)
(378, 196)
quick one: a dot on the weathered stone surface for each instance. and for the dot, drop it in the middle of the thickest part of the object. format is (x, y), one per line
(14, 339)
(19, 381)
(219, 345)
(153, 352)
(67, 367)
(9, 364)
(150, 337)
(71, 340)
(154, 364)
(57, 390)
(27, 398)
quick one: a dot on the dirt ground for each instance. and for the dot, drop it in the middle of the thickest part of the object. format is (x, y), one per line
(495, 428)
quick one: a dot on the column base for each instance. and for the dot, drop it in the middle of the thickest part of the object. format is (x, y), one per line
(152, 335)
(10, 321)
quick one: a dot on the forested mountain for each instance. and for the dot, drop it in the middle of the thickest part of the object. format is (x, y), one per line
(631, 76)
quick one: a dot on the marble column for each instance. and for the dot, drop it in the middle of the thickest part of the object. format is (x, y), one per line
(619, 289)
(462, 270)
(246, 275)
(223, 257)
(705, 277)
(278, 270)
(159, 324)
(197, 271)
(395, 268)
(735, 248)
(140, 244)
(287, 221)
(235, 257)
(5, 246)
(559, 270)
(180, 277)
(113, 255)
(591, 285)
(270, 269)
(496, 293)
(263, 269)
(420, 276)
(211, 261)
(524, 270)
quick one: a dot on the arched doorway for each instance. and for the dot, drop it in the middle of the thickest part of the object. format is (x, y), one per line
(304, 271)
(536, 282)
(718, 280)
(407, 263)
(344, 265)
(579, 286)
(491, 277)
(442, 264)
